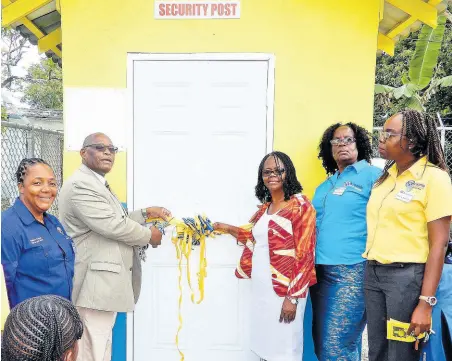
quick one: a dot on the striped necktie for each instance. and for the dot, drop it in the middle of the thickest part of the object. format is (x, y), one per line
(141, 250)
(114, 195)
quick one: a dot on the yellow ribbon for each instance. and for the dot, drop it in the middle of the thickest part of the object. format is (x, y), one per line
(183, 236)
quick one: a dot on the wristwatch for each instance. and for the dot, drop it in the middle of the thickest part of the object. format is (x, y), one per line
(293, 300)
(431, 300)
(144, 213)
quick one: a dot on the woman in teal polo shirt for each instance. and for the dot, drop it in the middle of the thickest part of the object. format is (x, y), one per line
(340, 202)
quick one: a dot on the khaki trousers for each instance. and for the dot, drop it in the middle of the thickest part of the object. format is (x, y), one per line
(95, 344)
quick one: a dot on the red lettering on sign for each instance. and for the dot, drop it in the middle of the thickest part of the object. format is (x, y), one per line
(162, 9)
(234, 8)
(189, 10)
(205, 8)
(221, 9)
(213, 9)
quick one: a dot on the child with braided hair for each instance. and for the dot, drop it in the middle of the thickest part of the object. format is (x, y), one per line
(408, 217)
(43, 328)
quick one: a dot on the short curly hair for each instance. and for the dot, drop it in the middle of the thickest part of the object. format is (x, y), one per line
(291, 184)
(363, 144)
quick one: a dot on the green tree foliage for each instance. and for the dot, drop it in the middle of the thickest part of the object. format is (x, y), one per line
(394, 72)
(4, 113)
(14, 46)
(441, 101)
(43, 87)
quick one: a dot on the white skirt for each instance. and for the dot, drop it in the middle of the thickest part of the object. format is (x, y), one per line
(270, 339)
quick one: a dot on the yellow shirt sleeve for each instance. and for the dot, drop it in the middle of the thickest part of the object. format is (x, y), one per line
(4, 299)
(439, 196)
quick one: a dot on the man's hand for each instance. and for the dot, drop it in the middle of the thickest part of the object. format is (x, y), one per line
(156, 237)
(158, 212)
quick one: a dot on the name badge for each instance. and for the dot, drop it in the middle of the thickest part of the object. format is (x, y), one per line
(36, 240)
(404, 196)
(339, 191)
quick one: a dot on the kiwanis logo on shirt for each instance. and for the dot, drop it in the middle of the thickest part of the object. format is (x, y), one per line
(354, 186)
(410, 185)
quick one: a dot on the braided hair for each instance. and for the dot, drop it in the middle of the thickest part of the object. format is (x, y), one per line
(41, 328)
(421, 130)
(363, 145)
(291, 185)
(24, 165)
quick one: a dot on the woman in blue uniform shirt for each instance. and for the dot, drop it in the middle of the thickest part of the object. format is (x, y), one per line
(340, 202)
(439, 346)
(37, 254)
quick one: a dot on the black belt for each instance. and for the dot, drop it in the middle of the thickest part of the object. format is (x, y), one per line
(395, 264)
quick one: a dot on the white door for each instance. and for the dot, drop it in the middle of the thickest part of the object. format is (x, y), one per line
(199, 133)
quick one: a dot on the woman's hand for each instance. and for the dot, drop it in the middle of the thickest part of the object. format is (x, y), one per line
(288, 311)
(420, 319)
(226, 228)
(221, 227)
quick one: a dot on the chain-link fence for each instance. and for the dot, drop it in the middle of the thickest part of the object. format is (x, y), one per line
(446, 141)
(18, 142)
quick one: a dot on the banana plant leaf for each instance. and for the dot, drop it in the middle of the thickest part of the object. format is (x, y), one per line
(383, 89)
(407, 90)
(425, 57)
(444, 82)
(415, 103)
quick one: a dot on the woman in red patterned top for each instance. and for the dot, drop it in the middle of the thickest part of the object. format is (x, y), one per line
(278, 256)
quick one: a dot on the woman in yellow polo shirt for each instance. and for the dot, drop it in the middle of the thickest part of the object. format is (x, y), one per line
(408, 218)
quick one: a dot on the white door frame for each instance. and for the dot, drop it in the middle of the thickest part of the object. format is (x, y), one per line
(136, 57)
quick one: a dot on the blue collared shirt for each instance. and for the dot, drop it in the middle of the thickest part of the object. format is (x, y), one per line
(37, 258)
(340, 203)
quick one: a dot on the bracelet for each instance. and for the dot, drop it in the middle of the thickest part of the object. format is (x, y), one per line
(292, 300)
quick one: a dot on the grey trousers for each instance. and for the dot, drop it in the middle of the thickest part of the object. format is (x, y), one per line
(391, 291)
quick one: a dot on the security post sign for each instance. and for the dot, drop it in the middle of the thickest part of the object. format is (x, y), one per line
(196, 10)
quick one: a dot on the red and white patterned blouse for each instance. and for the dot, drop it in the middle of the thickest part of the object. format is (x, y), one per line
(291, 238)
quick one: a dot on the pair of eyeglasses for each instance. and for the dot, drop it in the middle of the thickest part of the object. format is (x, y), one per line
(102, 147)
(383, 134)
(277, 172)
(342, 141)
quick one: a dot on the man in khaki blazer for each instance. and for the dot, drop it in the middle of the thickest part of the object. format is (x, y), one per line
(109, 242)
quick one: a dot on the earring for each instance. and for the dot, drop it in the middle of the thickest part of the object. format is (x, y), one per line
(267, 194)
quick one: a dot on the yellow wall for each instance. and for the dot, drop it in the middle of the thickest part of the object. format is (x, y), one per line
(324, 51)
(116, 178)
